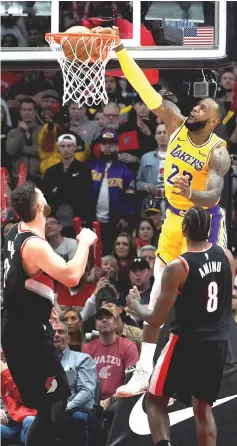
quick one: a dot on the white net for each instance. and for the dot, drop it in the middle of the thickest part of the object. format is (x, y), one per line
(83, 81)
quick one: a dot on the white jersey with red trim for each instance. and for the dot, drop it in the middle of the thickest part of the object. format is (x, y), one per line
(25, 299)
(203, 305)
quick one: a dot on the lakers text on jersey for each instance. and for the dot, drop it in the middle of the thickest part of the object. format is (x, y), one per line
(184, 158)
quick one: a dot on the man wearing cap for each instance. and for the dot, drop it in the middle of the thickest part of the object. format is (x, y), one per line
(47, 100)
(66, 186)
(112, 192)
(151, 208)
(140, 276)
(56, 125)
(136, 136)
(131, 332)
(113, 355)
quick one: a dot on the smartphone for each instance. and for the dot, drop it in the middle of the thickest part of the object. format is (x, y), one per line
(105, 274)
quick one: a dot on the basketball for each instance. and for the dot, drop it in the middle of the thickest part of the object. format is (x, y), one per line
(83, 48)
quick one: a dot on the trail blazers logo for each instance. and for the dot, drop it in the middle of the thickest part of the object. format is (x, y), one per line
(51, 384)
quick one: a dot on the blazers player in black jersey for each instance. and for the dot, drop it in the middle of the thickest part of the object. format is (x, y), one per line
(30, 265)
(199, 286)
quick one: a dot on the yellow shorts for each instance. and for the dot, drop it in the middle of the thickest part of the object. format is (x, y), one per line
(172, 243)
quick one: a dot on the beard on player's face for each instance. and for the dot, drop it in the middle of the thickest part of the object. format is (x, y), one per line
(195, 126)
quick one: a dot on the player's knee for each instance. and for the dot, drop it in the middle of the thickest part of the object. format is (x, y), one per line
(201, 410)
(155, 402)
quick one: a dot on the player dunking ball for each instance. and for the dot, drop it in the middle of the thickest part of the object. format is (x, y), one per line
(30, 265)
(199, 285)
(196, 163)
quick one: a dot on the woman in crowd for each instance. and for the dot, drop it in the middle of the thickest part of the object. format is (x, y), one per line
(124, 250)
(72, 319)
(146, 233)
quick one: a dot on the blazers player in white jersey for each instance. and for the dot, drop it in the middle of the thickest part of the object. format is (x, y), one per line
(30, 264)
(199, 286)
(196, 163)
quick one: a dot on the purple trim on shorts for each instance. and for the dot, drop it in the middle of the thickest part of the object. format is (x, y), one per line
(215, 224)
(215, 210)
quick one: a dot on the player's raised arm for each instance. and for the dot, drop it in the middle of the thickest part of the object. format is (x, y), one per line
(140, 83)
(43, 256)
(173, 278)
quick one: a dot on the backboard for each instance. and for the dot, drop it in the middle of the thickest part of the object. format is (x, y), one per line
(159, 34)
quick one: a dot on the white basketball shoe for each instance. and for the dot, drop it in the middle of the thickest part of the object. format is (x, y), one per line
(138, 383)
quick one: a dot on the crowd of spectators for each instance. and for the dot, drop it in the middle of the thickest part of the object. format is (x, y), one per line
(24, 31)
(104, 164)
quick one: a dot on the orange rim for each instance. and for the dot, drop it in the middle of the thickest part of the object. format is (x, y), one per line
(58, 36)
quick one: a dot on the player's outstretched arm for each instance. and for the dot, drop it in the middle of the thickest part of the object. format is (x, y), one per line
(168, 114)
(68, 273)
(173, 278)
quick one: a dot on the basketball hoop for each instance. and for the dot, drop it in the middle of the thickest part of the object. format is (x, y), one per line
(83, 64)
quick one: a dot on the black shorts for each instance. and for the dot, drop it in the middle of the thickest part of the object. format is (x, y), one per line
(186, 369)
(34, 365)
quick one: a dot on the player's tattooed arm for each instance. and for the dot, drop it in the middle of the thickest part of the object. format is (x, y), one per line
(173, 278)
(219, 165)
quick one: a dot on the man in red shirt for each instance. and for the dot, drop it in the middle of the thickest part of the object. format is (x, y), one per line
(113, 355)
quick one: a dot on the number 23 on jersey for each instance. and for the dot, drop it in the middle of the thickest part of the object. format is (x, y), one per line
(176, 172)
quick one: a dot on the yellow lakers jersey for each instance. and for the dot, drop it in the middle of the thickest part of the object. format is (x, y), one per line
(184, 158)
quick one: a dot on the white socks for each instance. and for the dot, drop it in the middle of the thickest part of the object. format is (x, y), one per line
(148, 350)
(158, 271)
(146, 356)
